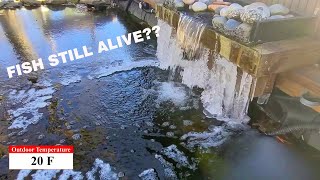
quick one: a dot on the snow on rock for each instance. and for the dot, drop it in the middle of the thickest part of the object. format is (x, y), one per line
(45, 174)
(105, 171)
(168, 168)
(67, 174)
(215, 137)
(101, 169)
(226, 93)
(23, 174)
(176, 155)
(28, 104)
(149, 174)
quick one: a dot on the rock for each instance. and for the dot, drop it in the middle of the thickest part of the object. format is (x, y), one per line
(231, 25)
(235, 13)
(218, 9)
(121, 174)
(278, 9)
(165, 124)
(1, 98)
(289, 16)
(251, 16)
(224, 11)
(215, 7)
(56, 2)
(33, 78)
(178, 4)
(76, 136)
(41, 136)
(261, 7)
(218, 22)
(234, 6)
(12, 5)
(243, 32)
(276, 17)
(207, 2)
(31, 3)
(189, 2)
(199, 6)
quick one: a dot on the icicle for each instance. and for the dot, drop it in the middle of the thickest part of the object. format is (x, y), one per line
(220, 97)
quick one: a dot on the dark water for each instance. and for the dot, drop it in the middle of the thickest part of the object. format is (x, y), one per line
(120, 108)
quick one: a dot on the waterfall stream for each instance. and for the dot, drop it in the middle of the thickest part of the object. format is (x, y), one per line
(226, 92)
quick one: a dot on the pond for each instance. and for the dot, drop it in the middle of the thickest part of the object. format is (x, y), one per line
(126, 117)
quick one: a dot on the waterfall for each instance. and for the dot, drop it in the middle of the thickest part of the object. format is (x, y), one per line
(189, 34)
(226, 93)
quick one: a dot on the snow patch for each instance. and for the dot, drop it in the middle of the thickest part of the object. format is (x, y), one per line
(105, 171)
(173, 153)
(28, 102)
(149, 174)
(215, 137)
(168, 168)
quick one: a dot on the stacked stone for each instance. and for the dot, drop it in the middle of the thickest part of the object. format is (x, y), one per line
(237, 21)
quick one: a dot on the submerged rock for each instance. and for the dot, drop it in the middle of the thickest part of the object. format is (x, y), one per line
(278, 9)
(199, 6)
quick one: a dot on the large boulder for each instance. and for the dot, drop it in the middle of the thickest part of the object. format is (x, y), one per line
(279, 9)
(199, 6)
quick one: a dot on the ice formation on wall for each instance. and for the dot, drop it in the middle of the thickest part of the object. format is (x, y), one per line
(226, 93)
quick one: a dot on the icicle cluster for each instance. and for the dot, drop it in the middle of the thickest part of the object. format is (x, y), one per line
(226, 93)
